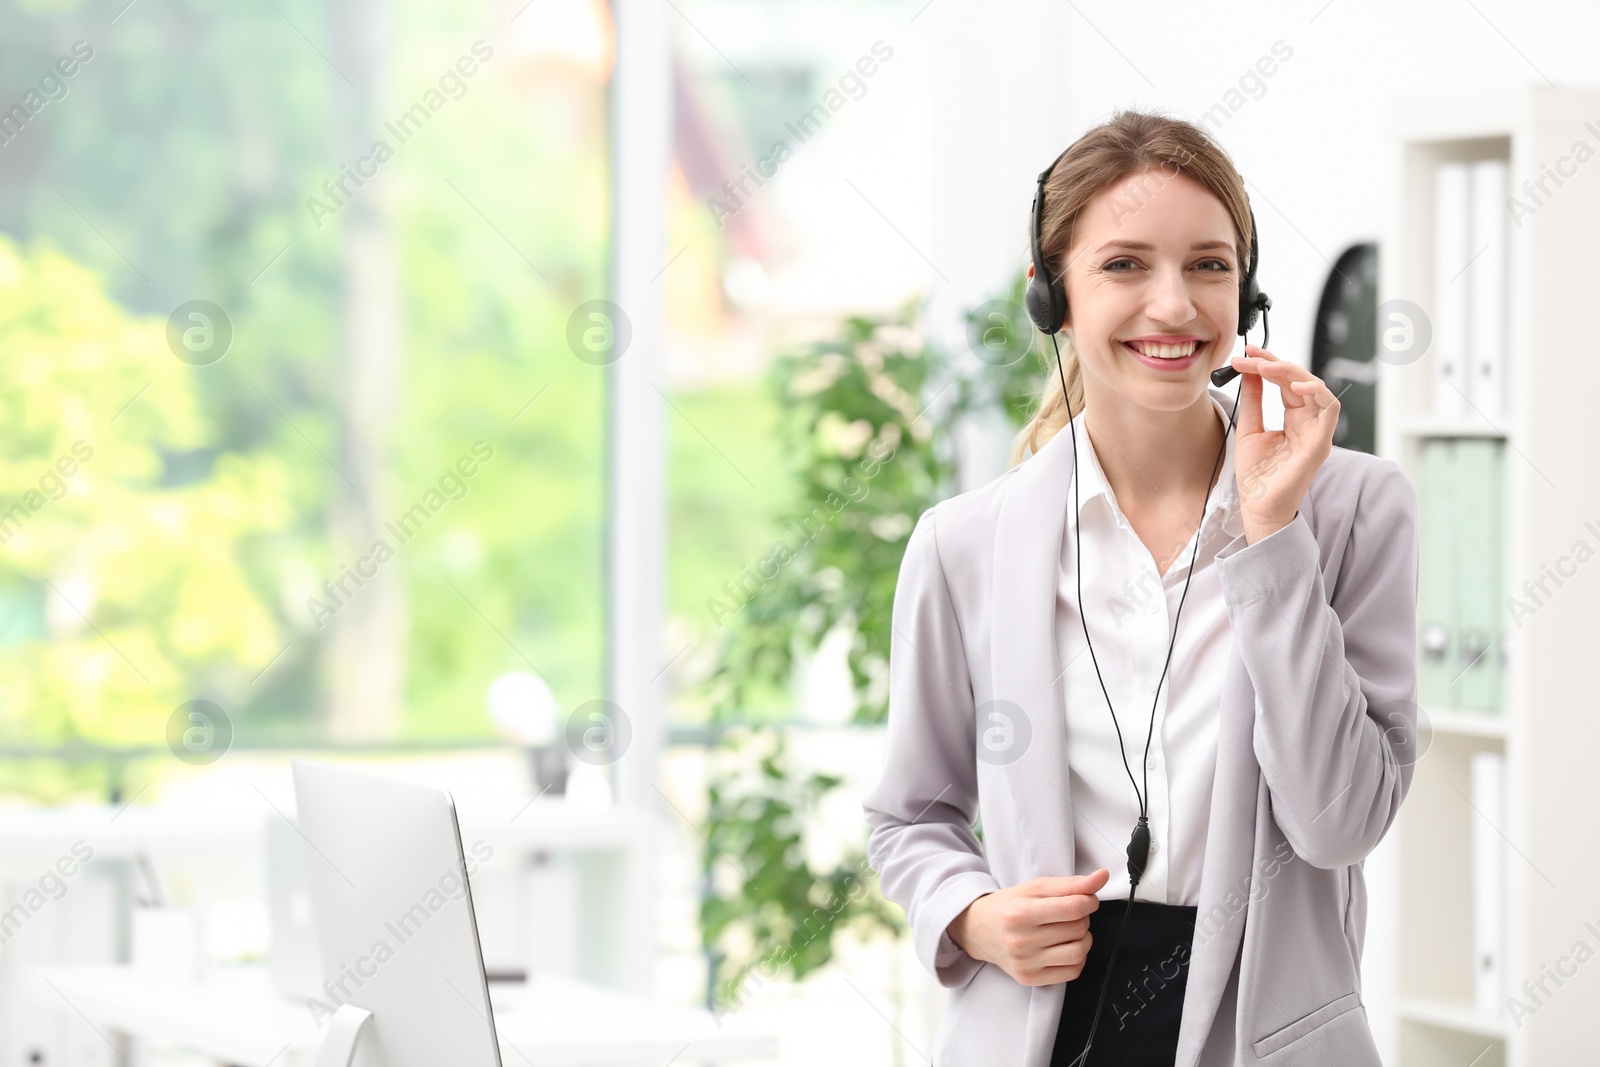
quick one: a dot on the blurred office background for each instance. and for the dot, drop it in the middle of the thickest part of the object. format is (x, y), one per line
(429, 387)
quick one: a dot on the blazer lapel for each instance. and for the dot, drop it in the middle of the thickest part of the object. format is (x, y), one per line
(1027, 555)
(1225, 883)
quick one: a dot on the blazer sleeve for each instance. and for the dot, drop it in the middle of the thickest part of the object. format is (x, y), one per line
(1335, 680)
(924, 805)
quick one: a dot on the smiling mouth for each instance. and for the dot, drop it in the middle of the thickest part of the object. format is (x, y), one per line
(1175, 353)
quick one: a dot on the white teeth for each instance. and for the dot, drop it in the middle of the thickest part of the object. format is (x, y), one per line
(1159, 351)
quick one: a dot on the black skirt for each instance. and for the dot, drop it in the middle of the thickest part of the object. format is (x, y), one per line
(1144, 1003)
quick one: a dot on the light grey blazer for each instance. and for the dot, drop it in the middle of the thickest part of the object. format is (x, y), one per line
(1316, 743)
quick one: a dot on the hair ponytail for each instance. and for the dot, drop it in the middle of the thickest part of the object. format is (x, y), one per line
(1051, 416)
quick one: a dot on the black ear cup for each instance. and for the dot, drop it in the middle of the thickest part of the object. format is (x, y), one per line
(1046, 303)
(1249, 296)
(1252, 301)
(1046, 296)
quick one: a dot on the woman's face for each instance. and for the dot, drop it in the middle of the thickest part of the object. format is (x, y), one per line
(1154, 266)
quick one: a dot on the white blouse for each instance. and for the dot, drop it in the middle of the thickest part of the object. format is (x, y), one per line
(1130, 616)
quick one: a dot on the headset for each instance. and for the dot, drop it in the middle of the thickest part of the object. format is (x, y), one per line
(1046, 295)
(1046, 300)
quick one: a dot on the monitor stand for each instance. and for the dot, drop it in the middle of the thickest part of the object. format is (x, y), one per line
(339, 1047)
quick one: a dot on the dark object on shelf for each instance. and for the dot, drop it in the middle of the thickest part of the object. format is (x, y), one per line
(1344, 345)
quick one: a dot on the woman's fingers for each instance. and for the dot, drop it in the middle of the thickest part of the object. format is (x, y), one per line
(1250, 421)
(1061, 932)
(1317, 393)
(1067, 954)
(1060, 963)
(1285, 375)
(1065, 908)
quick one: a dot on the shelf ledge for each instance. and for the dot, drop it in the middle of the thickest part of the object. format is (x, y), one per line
(1429, 426)
(1464, 1018)
(1491, 724)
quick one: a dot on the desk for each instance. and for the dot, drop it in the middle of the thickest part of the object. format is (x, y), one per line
(611, 850)
(235, 1016)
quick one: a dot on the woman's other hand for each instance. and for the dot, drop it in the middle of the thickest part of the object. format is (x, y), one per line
(1037, 932)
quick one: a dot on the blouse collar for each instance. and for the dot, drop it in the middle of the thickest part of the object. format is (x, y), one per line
(1224, 499)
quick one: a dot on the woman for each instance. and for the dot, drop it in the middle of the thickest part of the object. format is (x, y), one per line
(1268, 710)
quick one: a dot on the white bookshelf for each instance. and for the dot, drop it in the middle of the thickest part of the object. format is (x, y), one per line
(1420, 993)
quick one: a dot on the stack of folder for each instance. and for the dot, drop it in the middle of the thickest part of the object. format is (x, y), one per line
(1461, 610)
(1471, 245)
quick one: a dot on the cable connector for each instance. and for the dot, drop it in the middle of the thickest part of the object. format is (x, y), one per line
(1138, 851)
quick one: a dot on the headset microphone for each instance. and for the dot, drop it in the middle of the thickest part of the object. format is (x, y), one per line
(1225, 374)
(1046, 301)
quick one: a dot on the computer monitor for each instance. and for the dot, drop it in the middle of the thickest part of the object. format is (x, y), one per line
(395, 926)
(296, 964)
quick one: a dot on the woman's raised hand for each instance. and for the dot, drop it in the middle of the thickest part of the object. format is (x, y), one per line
(1274, 468)
(1037, 932)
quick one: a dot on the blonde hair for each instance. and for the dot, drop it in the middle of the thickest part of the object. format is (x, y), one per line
(1129, 143)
